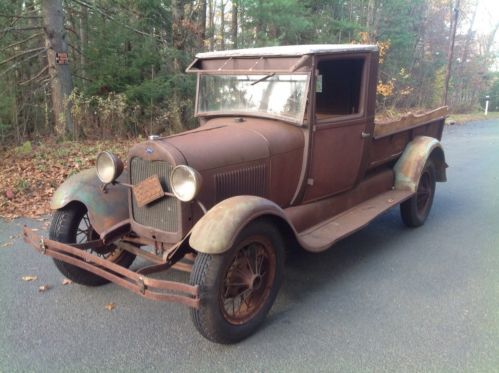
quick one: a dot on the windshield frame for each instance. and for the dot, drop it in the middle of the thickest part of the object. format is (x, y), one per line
(299, 120)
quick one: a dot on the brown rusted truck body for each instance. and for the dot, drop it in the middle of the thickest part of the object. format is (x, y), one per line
(287, 136)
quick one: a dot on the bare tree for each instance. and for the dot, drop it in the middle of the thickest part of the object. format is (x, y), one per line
(83, 38)
(222, 24)
(211, 23)
(234, 24)
(453, 28)
(60, 75)
(202, 21)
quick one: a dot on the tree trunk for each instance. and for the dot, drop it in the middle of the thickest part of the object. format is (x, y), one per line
(60, 75)
(222, 24)
(83, 39)
(258, 26)
(178, 15)
(202, 22)
(234, 24)
(211, 15)
(454, 18)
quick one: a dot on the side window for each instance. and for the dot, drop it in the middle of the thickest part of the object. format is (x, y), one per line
(339, 86)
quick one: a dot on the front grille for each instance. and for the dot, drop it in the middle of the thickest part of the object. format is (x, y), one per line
(163, 213)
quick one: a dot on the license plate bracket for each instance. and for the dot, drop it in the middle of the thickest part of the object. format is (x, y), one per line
(148, 190)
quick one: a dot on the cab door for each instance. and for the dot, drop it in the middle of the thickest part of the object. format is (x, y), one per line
(343, 125)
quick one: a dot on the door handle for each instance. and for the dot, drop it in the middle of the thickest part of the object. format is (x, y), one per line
(365, 135)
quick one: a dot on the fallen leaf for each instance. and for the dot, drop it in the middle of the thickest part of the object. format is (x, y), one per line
(9, 194)
(110, 306)
(43, 288)
(29, 278)
(67, 281)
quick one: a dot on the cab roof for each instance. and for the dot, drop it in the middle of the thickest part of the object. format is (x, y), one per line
(290, 50)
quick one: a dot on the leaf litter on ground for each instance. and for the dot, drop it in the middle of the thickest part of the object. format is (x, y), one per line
(29, 178)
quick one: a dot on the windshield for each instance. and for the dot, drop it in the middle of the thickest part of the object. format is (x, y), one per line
(273, 95)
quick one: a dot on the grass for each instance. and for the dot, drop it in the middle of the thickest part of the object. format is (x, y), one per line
(471, 117)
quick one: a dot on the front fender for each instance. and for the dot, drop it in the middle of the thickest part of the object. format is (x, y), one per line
(105, 208)
(216, 231)
(410, 165)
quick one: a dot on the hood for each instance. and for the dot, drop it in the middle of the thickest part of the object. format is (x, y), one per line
(224, 142)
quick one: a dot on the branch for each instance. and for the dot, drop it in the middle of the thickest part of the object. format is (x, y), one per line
(21, 54)
(91, 7)
(81, 77)
(67, 28)
(22, 41)
(20, 62)
(36, 76)
(76, 49)
(16, 16)
(21, 29)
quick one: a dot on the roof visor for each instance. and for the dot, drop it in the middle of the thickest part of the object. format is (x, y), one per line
(281, 59)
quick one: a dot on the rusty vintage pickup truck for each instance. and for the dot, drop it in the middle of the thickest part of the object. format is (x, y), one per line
(288, 154)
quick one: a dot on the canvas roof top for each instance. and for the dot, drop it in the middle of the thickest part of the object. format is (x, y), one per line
(290, 50)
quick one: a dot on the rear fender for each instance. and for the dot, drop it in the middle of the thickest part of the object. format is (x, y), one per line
(105, 208)
(216, 231)
(410, 165)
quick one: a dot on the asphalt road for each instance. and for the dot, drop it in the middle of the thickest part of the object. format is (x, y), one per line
(388, 298)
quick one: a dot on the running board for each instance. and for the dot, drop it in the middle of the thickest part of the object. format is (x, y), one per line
(321, 236)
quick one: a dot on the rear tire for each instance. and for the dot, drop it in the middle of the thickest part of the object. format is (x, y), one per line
(415, 210)
(238, 287)
(71, 225)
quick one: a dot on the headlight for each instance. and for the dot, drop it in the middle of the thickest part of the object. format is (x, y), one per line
(109, 167)
(185, 182)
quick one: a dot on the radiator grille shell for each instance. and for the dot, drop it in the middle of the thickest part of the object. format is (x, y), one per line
(162, 214)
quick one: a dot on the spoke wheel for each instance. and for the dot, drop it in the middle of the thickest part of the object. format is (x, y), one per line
(425, 192)
(248, 280)
(415, 210)
(238, 287)
(85, 233)
(71, 224)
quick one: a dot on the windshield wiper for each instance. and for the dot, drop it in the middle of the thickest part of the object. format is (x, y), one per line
(264, 78)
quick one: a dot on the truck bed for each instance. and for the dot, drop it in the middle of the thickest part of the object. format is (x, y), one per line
(392, 136)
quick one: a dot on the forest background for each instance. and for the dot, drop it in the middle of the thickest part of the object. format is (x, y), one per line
(124, 77)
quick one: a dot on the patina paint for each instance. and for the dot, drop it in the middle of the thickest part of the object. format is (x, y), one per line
(409, 167)
(105, 207)
(216, 231)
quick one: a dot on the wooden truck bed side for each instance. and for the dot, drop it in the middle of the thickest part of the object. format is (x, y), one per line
(388, 127)
(392, 136)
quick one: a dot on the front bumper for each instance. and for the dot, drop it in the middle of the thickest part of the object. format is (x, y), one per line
(151, 288)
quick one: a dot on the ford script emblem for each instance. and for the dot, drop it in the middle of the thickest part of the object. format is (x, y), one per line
(149, 150)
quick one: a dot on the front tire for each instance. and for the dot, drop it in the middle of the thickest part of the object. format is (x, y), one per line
(238, 287)
(415, 210)
(72, 225)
